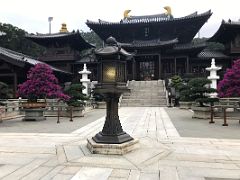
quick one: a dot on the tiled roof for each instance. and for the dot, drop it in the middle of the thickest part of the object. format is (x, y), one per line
(72, 38)
(149, 43)
(226, 32)
(52, 35)
(206, 54)
(189, 46)
(22, 58)
(150, 18)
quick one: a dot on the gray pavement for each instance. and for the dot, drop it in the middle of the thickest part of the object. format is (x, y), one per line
(162, 154)
(192, 127)
(50, 125)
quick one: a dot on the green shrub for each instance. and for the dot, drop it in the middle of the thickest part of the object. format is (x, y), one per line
(199, 91)
(77, 98)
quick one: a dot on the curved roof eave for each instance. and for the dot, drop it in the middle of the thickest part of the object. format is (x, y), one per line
(22, 58)
(73, 36)
(223, 31)
(159, 20)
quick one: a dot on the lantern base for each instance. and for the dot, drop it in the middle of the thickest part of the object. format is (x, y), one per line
(112, 139)
(112, 149)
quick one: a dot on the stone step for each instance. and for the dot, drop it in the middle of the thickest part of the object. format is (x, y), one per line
(145, 85)
(139, 89)
(142, 96)
(145, 93)
(141, 101)
(142, 105)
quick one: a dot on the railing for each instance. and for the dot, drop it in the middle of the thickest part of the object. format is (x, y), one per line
(226, 108)
(12, 108)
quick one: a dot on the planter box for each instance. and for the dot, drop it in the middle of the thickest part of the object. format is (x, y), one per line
(76, 112)
(33, 105)
(101, 105)
(185, 105)
(34, 114)
(201, 112)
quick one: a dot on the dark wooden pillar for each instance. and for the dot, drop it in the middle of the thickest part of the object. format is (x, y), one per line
(134, 69)
(159, 67)
(175, 65)
(187, 65)
(15, 85)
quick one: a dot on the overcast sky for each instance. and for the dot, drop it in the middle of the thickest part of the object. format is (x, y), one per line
(32, 15)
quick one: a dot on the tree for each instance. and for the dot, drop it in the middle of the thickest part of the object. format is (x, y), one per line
(77, 97)
(16, 41)
(176, 81)
(93, 38)
(199, 91)
(230, 85)
(41, 83)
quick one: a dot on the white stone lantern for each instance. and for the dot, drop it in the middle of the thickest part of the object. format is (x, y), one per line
(85, 81)
(213, 75)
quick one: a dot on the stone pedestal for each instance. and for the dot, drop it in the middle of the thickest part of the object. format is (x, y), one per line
(113, 149)
(213, 76)
(34, 114)
(85, 81)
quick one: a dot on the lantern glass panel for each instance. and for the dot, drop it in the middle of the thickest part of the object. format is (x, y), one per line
(120, 72)
(109, 72)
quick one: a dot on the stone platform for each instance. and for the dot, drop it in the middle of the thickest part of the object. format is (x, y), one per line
(113, 149)
(162, 153)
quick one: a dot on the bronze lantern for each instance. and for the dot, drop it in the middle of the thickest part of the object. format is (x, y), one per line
(111, 84)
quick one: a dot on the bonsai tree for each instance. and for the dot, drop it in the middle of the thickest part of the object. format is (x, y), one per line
(230, 85)
(176, 81)
(41, 83)
(199, 91)
(175, 84)
(184, 91)
(77, 98)
(4, 91)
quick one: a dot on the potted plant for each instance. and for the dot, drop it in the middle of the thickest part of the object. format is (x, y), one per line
(77, 100)
(199, 91)
(40, 84)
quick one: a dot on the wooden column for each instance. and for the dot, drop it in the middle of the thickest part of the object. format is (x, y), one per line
(175, 65)
(134, 69)
(15, 85)
(159, 66)
(187, 65)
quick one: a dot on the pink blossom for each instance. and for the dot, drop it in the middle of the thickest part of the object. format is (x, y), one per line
(41, 83)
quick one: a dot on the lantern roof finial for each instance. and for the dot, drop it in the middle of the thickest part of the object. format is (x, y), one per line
(111, 41)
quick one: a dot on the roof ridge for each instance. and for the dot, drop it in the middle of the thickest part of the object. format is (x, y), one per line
(152, 18)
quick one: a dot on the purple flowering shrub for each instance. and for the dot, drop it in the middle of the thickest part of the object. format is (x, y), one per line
(230, 85)
(41, 83)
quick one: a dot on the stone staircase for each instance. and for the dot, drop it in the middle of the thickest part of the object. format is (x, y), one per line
(145, 93)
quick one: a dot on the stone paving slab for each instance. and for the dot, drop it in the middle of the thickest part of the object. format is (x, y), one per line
(163, 154)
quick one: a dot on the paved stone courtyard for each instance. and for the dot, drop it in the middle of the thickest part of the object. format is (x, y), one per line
(163, 153)
(50, 125)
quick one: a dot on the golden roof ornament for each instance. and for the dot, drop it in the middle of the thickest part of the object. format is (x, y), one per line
(64, 28)
(169, 10)
(126, 14)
